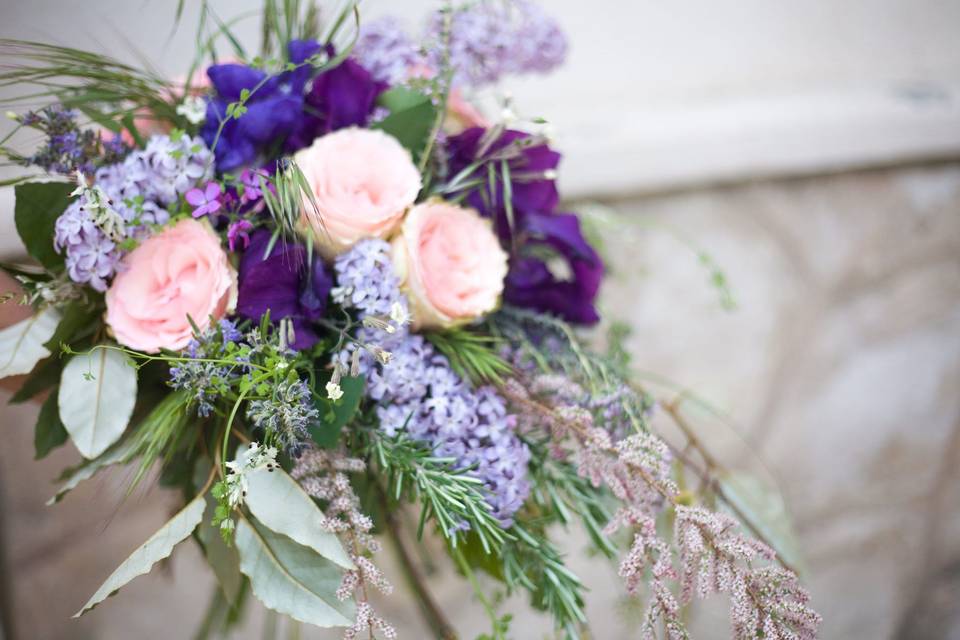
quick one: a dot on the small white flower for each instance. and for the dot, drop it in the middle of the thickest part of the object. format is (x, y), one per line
(339, 294)
(399, 314)
(193, 108)
(334, 392)
(382, 355)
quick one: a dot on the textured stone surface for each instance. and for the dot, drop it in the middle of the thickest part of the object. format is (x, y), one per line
(839, 368)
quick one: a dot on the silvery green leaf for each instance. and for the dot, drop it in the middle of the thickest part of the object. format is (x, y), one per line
(73, 477)
(97, 393)
(280, 504)
(290, 578)
(150, 552)
(21, 345)
(221, 558)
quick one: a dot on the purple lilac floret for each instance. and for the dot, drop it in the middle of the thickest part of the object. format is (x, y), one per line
(386, 51)
(140, 188)
(418, 393)
(491, 39)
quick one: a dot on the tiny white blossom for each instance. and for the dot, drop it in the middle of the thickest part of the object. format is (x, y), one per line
(334, 392)
(193, 108)
(399, 314)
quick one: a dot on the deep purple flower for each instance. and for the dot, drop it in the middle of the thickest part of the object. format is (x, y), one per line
(274, 108)
(344, 96)
(566, 284)
(204, 201)
(281, 282)
(531, 167)
(237, 231)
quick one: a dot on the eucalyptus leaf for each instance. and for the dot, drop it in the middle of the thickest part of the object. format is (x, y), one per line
(222, 559)
(44, 376)
(277, 501)
(37, 207)
(150, 552)
(98, 391)
(21, 345)
(292, 579)
(49, 432)
(72, 478)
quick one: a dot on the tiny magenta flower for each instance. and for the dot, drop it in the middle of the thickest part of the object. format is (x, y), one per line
(237, 234)
(204, 201)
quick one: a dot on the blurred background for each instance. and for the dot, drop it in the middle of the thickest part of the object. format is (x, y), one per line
(808, 151)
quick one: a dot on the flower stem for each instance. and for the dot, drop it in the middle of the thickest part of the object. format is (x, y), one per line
(432, 615)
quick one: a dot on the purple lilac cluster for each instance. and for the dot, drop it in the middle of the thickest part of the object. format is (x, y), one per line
(139, 188)
(491, 39)
(68, 148)
(488, 40)
(385, 50)
(417, 392)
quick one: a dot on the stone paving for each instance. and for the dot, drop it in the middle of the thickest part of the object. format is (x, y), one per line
(840, 366)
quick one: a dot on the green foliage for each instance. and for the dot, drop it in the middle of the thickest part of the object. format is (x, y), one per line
(44, 376)
(156, 438)
(49, 432)
(336, 414)
(290, 578)
(158, 547)
(472, 355)
(411, 119)
(447, 496)
(38, 205)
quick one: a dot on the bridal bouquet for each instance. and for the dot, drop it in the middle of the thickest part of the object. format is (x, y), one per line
(322, 296)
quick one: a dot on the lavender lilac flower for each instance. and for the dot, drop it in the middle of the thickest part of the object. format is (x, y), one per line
(139, 189)
(417, 391)
(491, 39)
(385, 50)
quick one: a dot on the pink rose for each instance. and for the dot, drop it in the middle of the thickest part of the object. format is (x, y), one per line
(450, 264)
(362, 181)
(180, 272)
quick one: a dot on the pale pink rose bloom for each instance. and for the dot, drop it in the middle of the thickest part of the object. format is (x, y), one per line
(450, 264)
(181, 272)
(362, 182)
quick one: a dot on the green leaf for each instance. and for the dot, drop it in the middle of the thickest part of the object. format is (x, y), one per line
(336, 415)
(71, 478)
(21, 345)
(410, 121)
(78, 321)
(49, 433)
(277, 501)
(38, 205)
(44, 376)
(98, 391)
(291, 579)
(222, 559)
(150, 552)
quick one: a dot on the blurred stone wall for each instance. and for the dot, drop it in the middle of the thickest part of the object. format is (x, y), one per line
(839, 370)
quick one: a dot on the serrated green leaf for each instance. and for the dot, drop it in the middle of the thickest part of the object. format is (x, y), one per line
(49, 432)
(158, 547)
(38, 205)
(98, 391)
(290, 578)
(277, 501)
(21, 344)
